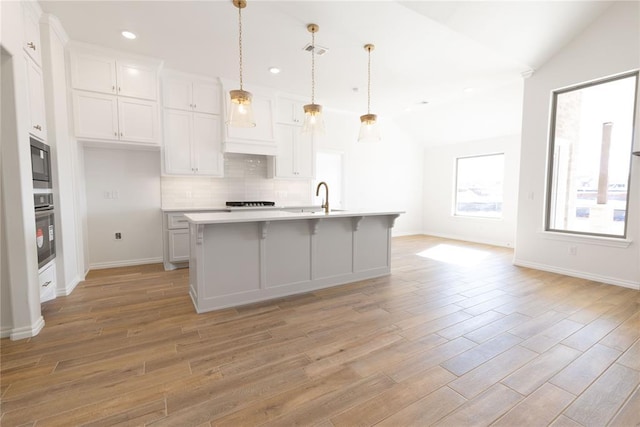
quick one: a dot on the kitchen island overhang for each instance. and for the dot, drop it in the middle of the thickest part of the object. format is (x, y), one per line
(238, 258)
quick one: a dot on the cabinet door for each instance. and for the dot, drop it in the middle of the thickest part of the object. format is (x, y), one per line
(286, 136)
(176, 93)
(137, 80)
(177, 146)
(36, 100)
(93, 72)
(206, 143)
(31, 32)
(95, 115)
(305, 160)
(289, 111)
(206, 98)
(138, 120)
(179, 245)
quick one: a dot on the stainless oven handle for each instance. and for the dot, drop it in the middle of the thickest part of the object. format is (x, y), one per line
(41, 214)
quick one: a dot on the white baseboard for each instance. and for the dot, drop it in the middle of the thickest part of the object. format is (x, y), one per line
(126, 263)
(581, 274)
(66, 291)
(27, 331)
(5, 331)
(406, 233)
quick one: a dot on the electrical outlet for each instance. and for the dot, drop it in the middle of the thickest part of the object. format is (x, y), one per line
(118, 236)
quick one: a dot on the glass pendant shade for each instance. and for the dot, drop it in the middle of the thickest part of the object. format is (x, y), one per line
(240, 110)
(369, 131)
(313, 120)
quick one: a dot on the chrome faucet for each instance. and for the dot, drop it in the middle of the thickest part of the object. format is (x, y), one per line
(325, 205)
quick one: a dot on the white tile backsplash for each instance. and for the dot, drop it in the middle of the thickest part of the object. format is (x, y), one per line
(245, 178)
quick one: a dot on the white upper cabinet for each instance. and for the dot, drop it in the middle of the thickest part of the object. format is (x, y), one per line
(199, 96)
(114, 97)
(31, 19)
(290, 111)
(35, 88)
(109, 118)
(192, 143)
(296, 155)
(107, 74)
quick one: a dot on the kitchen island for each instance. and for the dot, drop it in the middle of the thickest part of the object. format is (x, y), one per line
(238, 258)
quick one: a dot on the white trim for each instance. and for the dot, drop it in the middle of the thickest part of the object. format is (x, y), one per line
(56, 26)
(581, 274)
(588, 240)
(66, 291)
(27, 331)
(127, 263)
(5, 331)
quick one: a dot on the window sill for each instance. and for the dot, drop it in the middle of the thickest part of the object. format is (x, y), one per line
(589, 240)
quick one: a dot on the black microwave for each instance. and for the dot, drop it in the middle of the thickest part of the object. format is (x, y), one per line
(40, 164)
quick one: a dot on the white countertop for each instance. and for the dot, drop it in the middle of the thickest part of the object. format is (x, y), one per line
(269, 215)
(225, 208)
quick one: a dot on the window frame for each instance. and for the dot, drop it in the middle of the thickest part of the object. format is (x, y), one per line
(455, 188)
(551, 166)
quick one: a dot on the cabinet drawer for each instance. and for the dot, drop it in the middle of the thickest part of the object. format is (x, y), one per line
(47, 281)
(176, 221)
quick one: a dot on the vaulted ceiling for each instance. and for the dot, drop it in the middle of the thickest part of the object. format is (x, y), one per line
(438, 52)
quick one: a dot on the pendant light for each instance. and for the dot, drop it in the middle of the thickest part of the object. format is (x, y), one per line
(313, 121)
(240, 109)
(369, 122)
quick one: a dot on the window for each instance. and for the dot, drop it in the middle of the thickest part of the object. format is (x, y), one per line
(590, 157)
(479, 186)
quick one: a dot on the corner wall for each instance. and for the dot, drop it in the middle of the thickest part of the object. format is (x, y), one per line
(439, 192)
(609, 46)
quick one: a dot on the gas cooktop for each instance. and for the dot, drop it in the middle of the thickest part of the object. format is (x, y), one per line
(250, 204)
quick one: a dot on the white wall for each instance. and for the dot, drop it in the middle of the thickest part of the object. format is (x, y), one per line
(123, 195)
(380, 176)
(609, 46)
(22, 289)
(439, 192)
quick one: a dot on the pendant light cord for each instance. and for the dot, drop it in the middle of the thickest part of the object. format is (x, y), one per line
(313, 67)
(240, 41)
(369, 83)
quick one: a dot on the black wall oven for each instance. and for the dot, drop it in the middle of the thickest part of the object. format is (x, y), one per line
(40, 164)
(45, 228)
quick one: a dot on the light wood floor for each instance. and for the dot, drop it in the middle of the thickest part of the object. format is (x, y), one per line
(434, 343)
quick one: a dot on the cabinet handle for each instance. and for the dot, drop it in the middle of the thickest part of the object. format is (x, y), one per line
(31, 45)
(121, 134)
(37, 127)
(119, 89)
(113, 88)
(45, 284)
(194, 105)
(115, 134)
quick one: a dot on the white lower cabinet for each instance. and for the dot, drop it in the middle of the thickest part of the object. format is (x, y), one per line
(109, 118)
(179, 245)
(295, 157)
(47, 280)
(192, 143)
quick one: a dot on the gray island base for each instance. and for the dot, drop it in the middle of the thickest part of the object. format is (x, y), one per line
(242, 257)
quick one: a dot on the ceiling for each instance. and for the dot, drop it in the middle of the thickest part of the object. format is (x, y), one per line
(426, 51)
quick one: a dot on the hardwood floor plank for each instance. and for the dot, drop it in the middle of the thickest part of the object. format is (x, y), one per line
(629, 414)
(539, 408)
(600, 402)
(577, 376)
(128, 348)
(476, 356)
(427, 410)
(393, 400)
(483, 409)
(535, 373)
(481, 378)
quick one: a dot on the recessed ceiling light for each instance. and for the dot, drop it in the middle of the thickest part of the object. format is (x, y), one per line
(274, 70)
(468, 89)
(128, 35)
